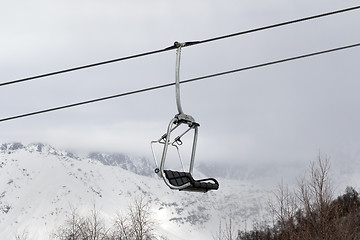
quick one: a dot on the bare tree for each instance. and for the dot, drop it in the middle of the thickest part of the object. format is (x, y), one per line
(72, 228)
(77, 227)
(226, 233)
(285, 206)
(315, 190)
(95, 226)
(315, 195)
(121, 229)
(138, 223)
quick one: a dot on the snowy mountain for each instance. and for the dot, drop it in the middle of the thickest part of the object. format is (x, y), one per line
(39, 185)
(139, 166)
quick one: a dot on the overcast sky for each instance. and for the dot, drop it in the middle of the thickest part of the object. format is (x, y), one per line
(283, 114)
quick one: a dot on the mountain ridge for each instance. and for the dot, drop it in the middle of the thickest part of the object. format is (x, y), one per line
(39, 184)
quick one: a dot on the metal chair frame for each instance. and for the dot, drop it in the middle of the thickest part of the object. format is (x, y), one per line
(179, 119)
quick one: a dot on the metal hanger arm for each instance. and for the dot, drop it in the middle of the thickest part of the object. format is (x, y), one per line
(177, 76)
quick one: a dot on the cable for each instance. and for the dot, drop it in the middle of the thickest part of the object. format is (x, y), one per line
(280, 24)
(81, 67)
(174, 47)
(184, 81)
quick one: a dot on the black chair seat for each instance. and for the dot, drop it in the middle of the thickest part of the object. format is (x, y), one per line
(179, 179)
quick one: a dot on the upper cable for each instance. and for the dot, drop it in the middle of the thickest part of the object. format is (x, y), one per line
(174, 46)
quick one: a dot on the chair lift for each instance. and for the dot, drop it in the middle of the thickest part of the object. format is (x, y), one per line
(182, 181)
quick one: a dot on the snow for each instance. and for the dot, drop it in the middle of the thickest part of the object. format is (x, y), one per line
(41, 185)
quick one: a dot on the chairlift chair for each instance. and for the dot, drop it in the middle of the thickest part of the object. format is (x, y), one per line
(180, 180)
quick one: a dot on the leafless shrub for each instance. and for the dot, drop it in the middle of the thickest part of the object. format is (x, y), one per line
(311, 212)
(136, 225)
(22, 236)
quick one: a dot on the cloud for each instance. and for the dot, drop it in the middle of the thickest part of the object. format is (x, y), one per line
(282, 113)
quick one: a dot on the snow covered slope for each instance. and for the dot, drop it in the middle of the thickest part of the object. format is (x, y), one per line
(40, 184)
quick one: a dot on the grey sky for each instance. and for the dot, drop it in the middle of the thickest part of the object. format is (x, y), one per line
(284, 114)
